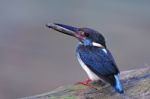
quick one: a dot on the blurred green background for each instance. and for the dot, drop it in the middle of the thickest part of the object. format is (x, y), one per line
(35, 59)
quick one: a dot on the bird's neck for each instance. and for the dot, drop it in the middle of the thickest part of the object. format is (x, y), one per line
(90, 43)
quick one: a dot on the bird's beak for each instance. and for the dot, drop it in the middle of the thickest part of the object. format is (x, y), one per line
(69, 30)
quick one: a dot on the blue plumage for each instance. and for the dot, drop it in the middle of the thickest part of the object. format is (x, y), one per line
(118, 86)
(93, 54)
(101, 63)
(98, 61)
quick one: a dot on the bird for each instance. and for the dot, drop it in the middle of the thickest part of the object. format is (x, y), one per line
(93, 55)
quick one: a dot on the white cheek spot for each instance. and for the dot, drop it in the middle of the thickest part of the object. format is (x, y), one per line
(97, 44)
(104, 50)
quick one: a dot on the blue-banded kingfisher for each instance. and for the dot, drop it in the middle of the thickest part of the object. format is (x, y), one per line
(93, 55)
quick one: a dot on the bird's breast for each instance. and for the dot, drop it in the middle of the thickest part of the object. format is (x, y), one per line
(90, 73)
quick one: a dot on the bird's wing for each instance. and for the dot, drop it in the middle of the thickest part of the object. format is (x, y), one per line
(99, 60)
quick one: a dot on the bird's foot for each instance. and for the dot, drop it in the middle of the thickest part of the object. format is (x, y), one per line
(86, 82)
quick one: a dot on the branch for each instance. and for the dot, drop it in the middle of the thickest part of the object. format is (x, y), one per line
(136, 85)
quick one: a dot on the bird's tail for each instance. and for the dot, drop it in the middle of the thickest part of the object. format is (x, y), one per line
(118, 85)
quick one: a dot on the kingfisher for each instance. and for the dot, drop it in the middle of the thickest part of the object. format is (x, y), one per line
(93, 55)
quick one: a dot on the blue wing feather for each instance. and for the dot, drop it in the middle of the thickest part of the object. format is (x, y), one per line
(99, 62)
(118, 86)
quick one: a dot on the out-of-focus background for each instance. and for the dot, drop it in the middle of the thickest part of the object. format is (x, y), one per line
(35, 59)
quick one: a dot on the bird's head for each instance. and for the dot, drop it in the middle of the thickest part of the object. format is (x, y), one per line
(86, 36)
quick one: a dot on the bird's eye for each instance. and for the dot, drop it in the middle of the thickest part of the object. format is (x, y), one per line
(86, 34)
